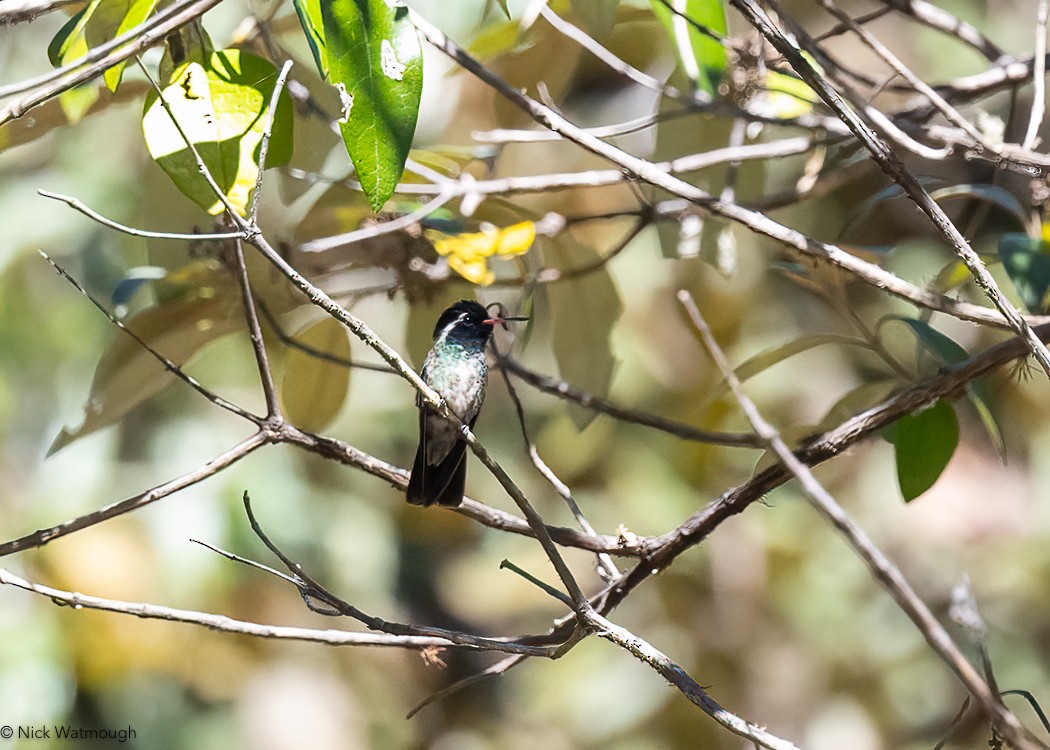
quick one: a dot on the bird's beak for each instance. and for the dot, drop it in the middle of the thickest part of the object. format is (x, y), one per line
(500, 321)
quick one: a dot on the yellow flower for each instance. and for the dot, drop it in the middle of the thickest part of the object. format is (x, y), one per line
(468, 253)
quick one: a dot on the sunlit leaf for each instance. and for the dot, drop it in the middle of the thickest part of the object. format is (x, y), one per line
(498, 38)
(1027, 262)
(127, 375)
(952, 276)
(313, 389)
(701, 57)
(309, 12)
(583, 311)
(223, 107)
(134, 12)
(99, 22)
(787, 96)
(923, 444)
(78, 101)
(375, 62)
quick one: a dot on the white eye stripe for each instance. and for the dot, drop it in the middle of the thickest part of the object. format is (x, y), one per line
(448, 328)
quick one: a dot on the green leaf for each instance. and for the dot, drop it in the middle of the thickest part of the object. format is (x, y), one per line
(1027, 262)
(68, 36)
(99, 22)
(376, 64)
(923, 443)
(309, 12)
(945, 348)
(223, 107)
(131, 13)
(776, 354)
(127, 374)
(78, 101)
(583, 311)
(313, 390)
(702, 58)
(950, 353)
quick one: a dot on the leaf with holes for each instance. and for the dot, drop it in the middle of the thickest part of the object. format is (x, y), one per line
(923, 444)
(375, 63)
(223, 107)
(692, 25)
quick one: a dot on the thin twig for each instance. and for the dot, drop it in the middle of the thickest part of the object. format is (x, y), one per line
(606, 567)
(1038, 77)
(170, 366)
(310, 588)
(97, 60)
(251, 315)
(224, 624)
(94, 215)
(211, 468)
(264, 144)
(562, 389)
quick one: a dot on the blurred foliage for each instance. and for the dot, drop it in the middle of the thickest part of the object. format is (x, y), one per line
(773, 612)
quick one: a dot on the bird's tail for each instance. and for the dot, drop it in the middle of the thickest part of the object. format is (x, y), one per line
(441, 483)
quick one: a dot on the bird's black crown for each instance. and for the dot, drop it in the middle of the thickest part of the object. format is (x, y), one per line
(471, 316)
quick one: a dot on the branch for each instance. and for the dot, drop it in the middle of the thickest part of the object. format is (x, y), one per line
(882, 569)
(17, 11)
(224, 624)
(217, 464)
(891, 164)
(105, 56)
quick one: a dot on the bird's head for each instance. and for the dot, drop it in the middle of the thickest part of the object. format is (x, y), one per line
(467, 319)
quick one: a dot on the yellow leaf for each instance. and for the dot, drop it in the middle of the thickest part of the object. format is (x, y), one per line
(474, 270)
(516, 239)
(466, 253)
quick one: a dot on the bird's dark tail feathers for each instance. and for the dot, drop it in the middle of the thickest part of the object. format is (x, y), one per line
(441, 483)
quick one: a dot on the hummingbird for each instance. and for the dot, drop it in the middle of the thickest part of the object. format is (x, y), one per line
(456, 368)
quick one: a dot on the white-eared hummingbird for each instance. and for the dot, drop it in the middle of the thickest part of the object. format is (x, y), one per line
(456, 368)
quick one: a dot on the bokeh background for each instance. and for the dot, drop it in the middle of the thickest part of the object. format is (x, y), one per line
(773, 612)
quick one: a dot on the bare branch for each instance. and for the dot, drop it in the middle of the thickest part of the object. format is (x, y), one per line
(224, 624)
(212, 467)
(105, 56)
(882, 569)
(17, 11)
(891, 164)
